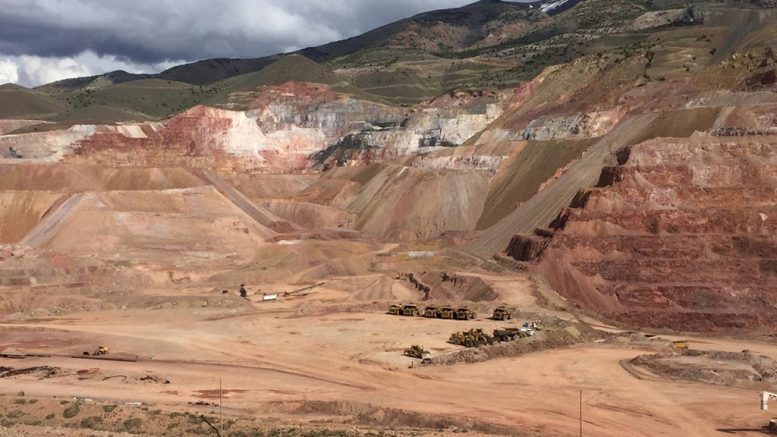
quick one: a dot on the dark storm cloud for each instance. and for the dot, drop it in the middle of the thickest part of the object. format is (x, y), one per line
(151, 31)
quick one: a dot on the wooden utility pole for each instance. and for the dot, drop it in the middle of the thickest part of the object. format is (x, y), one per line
(581, 413)
(221, 414)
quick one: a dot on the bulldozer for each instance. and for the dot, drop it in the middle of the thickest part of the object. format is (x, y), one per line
(410, 310)
(680, 344)
(447, 312)
(419, 352)
(503, 313)
(457, 338)
(471, 338)
(101, 350)
(432, 312)
(464, 313)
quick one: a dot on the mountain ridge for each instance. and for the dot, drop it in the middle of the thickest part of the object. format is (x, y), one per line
(224, 68)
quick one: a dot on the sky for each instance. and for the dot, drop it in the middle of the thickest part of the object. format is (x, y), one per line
(42, 41)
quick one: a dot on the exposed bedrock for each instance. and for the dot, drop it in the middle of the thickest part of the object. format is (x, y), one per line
(284, 128)
(577, 126)
(682, 235)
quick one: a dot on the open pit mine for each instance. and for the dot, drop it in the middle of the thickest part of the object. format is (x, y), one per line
(546, 219)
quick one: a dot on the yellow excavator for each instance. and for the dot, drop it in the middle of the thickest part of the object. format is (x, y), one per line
(101, 350)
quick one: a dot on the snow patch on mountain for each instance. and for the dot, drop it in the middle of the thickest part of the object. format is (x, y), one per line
(550, 6)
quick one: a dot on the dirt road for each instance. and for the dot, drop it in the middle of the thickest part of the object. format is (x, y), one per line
(45, 229)
(261, 215)
(273, 357)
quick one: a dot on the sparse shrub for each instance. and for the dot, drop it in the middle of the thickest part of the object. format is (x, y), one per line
(15, 414)
(198, 431)
(71, 411)
(109, 408)
(32, 401)
(92, 422)
(326, 433)
(133, 426)
(50, 416)
(19, 401)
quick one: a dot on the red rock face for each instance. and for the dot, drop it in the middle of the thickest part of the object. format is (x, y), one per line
(683, 236)
(199, 137)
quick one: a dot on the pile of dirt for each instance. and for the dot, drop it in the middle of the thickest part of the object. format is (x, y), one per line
(453, 287)
(38, 372)
(165, 227)
(561, 335)
(373, 288)
(741, 369)
(403, 203)
(312, 215)
(20, 211)
(271, 186)
(71, 178)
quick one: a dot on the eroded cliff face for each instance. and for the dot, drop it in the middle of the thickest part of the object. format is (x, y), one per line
(315, 107)
(577, 126)
(448, 121)
(291, 127)
(681, 235)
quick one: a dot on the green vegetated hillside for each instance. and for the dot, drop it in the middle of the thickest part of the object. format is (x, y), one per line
(17, 101)
(488, 44)
(150, 98)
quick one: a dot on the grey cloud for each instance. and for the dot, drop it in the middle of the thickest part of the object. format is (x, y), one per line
(147, 31)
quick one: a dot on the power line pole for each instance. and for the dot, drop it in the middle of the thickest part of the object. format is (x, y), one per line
(221, 414)
(581, 413)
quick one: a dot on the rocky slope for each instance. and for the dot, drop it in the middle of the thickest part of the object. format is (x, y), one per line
(680, 235)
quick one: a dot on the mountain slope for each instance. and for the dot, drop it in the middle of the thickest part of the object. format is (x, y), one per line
(17, 101)
(447, 29)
